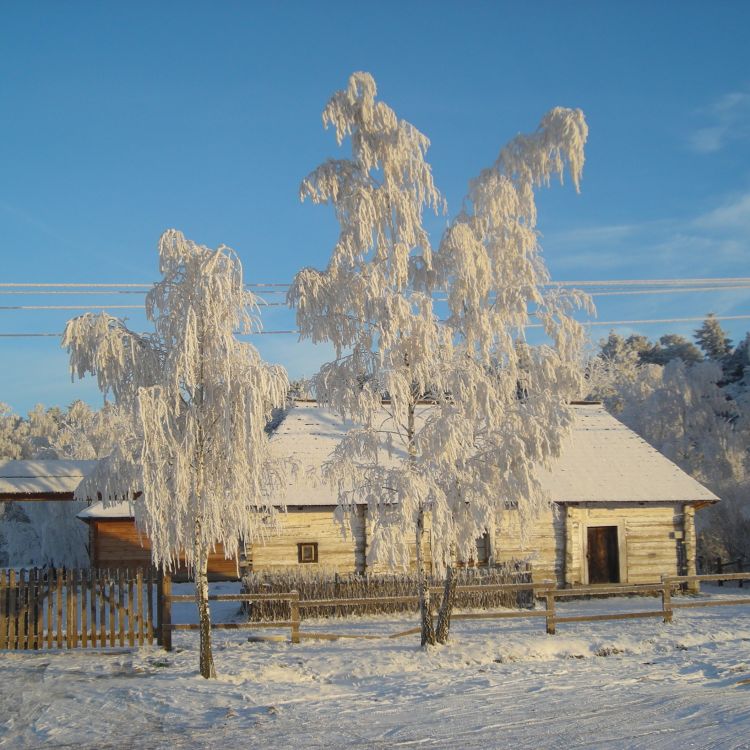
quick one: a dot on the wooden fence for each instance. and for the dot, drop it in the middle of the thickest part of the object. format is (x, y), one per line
(385, 593)
(545, 591)
(87, 608)
(93, 608)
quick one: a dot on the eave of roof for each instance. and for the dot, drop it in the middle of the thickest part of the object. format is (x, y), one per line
(42, 479)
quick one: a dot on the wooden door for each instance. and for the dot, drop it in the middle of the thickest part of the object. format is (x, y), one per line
(603, 554)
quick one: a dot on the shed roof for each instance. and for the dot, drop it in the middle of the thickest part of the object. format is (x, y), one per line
(603, 461)
(41, 479)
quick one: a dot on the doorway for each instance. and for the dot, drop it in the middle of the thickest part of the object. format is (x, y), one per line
(603, 554)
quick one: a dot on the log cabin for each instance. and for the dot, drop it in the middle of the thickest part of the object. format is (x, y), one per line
(621, 512)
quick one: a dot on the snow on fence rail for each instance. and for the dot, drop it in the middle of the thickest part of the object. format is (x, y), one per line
(385, 594)
(85, 608)
(545, 591)
(106, 608)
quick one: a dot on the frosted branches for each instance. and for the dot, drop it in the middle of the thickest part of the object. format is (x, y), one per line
(365, 294)
(198, 402)
(471, 408)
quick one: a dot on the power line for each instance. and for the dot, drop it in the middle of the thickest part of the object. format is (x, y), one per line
(104, 307)
(649, 321)
(677, 290)
(662, 320)
(45, 292)
(277, 285)
(59, 335)
(95, 285)
(266, 303)
(27, 335)
(71, 307)
(652, 282)
(76, 285)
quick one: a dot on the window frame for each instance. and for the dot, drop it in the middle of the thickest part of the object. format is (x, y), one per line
(300, 555)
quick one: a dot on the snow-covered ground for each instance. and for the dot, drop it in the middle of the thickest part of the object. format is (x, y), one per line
(613, 684)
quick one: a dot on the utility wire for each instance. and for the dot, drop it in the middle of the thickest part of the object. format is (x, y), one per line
(649, 321)
(104, 307)
(71, 307)
(579, 283)
(266, 303)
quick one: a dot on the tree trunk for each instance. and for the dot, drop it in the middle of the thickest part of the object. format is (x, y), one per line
(446, 606)
(201, 597)
(425, 610)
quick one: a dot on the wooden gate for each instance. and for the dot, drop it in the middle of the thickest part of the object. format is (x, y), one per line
(86, 608)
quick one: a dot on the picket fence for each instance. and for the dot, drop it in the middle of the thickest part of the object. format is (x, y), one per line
(86, 608)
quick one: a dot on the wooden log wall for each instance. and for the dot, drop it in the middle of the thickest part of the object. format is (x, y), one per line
(300, 525)
(117, 543)
(87, 608)
(380, 567)
(648, 539)
(691, 553)
(649, 535)
(544, 546)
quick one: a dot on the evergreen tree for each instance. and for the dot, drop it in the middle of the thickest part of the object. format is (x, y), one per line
(737, 364)
(671, 346)
(712, 339)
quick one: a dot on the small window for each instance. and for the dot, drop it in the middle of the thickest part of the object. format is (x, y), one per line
(307, 552)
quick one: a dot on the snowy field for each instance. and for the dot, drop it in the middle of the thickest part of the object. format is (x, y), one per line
(626, 684)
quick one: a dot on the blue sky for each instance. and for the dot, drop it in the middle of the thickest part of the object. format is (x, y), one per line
(122, 120)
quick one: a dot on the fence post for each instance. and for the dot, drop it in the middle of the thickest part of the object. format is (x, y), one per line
(159, 599)
(22, 630)
(719, 569)
(165, 610)
(3, 610)
(741, 567)
(294, 606)
(666, 599)
(34, 607)
(550, 605)
(12, 616)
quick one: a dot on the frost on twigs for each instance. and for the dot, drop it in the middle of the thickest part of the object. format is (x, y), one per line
(198, 401)
(455, 414)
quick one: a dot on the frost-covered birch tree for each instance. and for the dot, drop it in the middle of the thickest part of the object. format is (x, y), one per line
(471, 408)
(13, 433)
(198, 401)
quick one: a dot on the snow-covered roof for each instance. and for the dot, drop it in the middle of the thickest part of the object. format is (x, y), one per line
(307, 435)
(603, 461)
(99, 510)
(41, 478)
